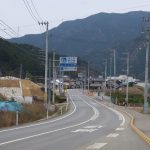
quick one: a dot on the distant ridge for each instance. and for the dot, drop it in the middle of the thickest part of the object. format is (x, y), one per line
(93, 37)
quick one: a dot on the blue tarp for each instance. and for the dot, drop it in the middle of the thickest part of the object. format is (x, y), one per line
(10, 106)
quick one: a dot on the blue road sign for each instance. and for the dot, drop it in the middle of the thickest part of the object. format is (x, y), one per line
(68, 63)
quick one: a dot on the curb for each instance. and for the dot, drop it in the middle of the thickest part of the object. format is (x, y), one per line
(137, 130)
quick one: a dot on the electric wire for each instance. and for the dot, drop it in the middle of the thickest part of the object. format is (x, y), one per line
(8, 27)
(6, 32)
(35, 10)
(27, 5)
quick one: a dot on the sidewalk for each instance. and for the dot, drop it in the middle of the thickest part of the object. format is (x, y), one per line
(142, 121)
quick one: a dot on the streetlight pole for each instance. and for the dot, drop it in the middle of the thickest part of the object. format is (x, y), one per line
(146, 20)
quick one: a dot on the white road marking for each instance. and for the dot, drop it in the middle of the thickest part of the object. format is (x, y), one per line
(112, 135)
(92, 127)
(42, 123)
(121, 117)
(96, 112)
(52, 131)
(96, 146)
(99, 127)
(96, 115)
(84, 130)
(119, 129)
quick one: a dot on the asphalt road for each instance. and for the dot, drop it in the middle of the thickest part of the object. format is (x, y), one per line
(89, 125)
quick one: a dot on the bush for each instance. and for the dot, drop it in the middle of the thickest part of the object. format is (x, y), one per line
(31, 112)
(133, 98)
(7, 119)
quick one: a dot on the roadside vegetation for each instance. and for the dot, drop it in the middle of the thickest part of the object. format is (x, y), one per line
(32, 112)
(135, 97)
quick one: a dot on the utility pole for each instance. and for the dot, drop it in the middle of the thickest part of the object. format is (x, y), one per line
(54, 78)
(62, 81)
(20, 71)
(146, 20)
(114, 51)
(46, 58)
(110, 78)
(105, 75)
(127, 88)
(88, 77)
(49, 87)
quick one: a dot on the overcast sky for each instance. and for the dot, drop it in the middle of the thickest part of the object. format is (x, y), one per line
(15, 14)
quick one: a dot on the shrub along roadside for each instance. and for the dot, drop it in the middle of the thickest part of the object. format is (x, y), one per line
(133, 99)
(32, 112)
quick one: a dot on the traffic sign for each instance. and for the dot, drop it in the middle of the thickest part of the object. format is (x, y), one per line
(68, 63)
(68, 60)
(68, 68)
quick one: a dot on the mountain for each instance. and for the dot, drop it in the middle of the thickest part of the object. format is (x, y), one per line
(93, 38)
(30, 58)
(12, 56)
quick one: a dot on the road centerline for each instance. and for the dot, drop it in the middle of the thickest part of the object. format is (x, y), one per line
(60, 129)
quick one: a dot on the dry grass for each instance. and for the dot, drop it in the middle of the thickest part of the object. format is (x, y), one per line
(28, 87)
(31, 113)
(9, 83)
(31, 89)
(7, 119)
(133, 90)
(137, 109)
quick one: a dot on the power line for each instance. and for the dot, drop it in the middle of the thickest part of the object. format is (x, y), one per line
(27, 5)
(6, 33)
(35, 10)
(1, 37)
(7, 26)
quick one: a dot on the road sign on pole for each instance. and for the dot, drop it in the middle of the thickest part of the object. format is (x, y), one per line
(68, 63)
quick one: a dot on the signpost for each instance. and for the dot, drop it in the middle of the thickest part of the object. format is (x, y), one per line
(68, 64)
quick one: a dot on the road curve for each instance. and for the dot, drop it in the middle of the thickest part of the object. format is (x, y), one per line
(89, 124)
